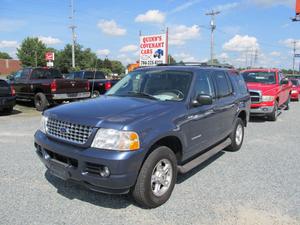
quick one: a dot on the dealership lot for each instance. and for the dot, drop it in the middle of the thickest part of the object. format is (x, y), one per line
(260, 184)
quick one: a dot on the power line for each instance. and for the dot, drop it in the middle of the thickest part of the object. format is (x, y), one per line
(212, 14)
(72, 27)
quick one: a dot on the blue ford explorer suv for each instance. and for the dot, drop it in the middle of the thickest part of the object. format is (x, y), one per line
(151, 125)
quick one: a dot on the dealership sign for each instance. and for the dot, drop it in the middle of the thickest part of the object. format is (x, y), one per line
(153, 49)
(49, 56)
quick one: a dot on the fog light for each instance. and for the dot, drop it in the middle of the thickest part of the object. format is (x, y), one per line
(104, 171)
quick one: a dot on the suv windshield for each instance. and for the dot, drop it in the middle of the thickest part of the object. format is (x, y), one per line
(260, 77)
(161, 85)
(45, 74)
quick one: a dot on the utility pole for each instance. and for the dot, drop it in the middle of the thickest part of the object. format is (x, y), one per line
(72, 27)
(212, 14)
(294, 57)
(255, 57)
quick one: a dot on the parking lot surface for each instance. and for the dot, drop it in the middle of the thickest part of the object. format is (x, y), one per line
(260, 184)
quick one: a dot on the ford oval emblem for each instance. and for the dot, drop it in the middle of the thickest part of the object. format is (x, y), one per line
(63, 130)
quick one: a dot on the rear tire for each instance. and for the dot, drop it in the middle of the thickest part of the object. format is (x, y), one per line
(156, 179)
(40, 102)
(287, 106)
(237, 136)
(95, 94)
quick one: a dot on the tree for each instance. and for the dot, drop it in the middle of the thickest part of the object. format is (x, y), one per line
(4, 55)
(117, 67)
(84, 58)
(32, 52)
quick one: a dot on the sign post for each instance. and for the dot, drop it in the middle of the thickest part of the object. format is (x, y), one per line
(154, 49)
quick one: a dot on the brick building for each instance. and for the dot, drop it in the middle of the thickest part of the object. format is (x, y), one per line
(7, 66)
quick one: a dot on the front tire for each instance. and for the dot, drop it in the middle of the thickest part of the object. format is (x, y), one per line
(237, 136)
(274, 114)
(156, 179)
(40, 102)
(287, 106)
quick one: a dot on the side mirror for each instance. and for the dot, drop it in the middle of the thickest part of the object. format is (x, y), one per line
(202, 100)
(284, 81)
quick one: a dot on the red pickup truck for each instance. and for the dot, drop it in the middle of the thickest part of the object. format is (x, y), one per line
(270, 91)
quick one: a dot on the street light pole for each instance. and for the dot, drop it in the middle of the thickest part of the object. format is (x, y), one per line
(72, 27)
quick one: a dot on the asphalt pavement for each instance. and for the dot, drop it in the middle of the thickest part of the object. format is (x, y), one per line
(260, 184)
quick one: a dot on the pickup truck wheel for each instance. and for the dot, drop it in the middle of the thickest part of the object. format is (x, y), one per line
(237, 136)
(156, 179)
(40, 101)
(274, 114)
(95, 94)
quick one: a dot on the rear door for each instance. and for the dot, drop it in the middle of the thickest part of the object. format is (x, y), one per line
(226, 106)
(284, 90)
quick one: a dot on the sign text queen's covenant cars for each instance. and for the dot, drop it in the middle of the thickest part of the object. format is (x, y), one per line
(153, 49)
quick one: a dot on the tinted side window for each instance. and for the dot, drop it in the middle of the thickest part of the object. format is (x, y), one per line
(241, 84)
(223, 86)
(203, 85)
(24, 74)
(78, 75)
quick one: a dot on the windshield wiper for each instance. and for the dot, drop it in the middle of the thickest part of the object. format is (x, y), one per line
(142, 94)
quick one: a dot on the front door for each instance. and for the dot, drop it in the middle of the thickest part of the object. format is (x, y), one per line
(203, 121)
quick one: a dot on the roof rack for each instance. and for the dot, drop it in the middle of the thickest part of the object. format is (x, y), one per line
(202, 64)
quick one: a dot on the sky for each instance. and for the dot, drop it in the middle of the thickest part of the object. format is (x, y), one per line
(248, 33)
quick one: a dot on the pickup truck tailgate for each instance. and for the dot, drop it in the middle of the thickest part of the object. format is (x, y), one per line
(64, 86)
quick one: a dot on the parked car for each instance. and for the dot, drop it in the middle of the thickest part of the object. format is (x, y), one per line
(7, 96)
(295, 89)
(45, 86)
(270, 91)
(152, 124)
(98, 82)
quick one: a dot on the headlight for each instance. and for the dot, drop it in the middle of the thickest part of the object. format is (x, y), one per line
(266, 98)
(43, 126)
(116, 140)
(294, 91)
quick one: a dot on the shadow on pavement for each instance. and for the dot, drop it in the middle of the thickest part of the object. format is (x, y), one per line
(183, 177)
(72, 190)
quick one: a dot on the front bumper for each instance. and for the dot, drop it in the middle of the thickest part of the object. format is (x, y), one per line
(76, 164)
(7, 102)
(80, 95)
(262, 108)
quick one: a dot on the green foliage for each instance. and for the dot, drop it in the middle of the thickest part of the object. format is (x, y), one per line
(106, 71)
(4, 55)
(117, 67)
(32, 52)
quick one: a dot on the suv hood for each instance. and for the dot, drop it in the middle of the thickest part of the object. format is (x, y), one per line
(108, 111)
(264, 88)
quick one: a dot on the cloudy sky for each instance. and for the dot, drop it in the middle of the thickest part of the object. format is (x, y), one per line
(248, 31)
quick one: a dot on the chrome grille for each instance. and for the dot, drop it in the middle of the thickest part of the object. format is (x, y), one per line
(66, 131)
(255, 96)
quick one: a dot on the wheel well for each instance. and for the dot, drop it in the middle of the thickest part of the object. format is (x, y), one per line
(171, 142)
(277, 99)
(243, 117)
